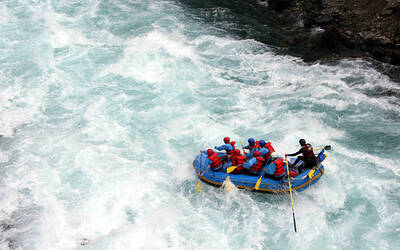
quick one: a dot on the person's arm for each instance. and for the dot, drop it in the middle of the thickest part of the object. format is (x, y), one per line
(250, 155)
(294, 154)
(263, 151)
(224, 147)
(250, 163)
(270, 168)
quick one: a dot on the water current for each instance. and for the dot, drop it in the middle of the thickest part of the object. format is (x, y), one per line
(105, 103)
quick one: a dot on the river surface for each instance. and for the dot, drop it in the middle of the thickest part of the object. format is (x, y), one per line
(105, 104)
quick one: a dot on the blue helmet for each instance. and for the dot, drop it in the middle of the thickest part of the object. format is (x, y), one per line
(251, 141)
(261, 143)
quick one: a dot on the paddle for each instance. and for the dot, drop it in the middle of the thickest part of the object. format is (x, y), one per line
(228, 184)
(257, 186)
(198, 187)
(291, 196)
(244, 152)
(327, 147)
(231, 169)
(199, 182)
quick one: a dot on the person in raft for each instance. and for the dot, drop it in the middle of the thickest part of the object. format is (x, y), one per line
(271, 150)
(254, 165)
(228, 146)
(253, 146)
(264, 152)
(276, 169)
(308, 156)
(214, 160)
(238, 160)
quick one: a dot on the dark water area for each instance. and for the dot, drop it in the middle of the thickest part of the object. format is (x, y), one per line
(251, 20)
(242, 19)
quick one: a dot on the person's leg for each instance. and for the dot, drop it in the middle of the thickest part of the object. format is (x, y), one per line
(304, 165)
(299, 158)
(301, 168)
(308, 164)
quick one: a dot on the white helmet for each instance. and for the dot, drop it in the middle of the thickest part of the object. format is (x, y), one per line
(274, 155)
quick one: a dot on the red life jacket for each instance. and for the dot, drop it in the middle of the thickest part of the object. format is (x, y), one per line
(238, 159)
(309, 151)
(270, 149)
(280, 170)
(257, 167)
(216, 161)
(231, 152)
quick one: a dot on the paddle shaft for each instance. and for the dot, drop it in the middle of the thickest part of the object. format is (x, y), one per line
(205, 170)
(244, 152)
(198, 187)
(291, 196)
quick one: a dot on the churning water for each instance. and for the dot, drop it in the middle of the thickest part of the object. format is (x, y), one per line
(105, 103)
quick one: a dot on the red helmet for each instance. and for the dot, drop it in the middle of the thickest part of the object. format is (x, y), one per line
(256, 154)
(210, 151)
(237, 151)
(227, 139)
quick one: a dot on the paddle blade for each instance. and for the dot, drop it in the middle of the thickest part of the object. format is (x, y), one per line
(198, 186)
(228, 184)
(257, 186)
(231, 169)
(311, 174)
(327, 147)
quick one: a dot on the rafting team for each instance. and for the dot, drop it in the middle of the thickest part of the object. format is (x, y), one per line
(261, 160)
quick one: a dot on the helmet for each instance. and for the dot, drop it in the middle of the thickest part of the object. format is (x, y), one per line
(261, 143)
(210, 151)
(227, 139)
(302, 142)
(274, 155)
(256, 154)
(237, 151)
(251, 141)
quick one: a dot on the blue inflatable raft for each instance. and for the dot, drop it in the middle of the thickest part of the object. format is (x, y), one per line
(299, 183)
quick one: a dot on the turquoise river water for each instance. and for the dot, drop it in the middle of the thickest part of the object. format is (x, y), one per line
(105, 103)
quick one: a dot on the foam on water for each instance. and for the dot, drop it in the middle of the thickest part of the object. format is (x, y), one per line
(104, 105)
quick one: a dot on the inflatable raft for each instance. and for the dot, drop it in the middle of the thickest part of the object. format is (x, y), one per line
(299, 183)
